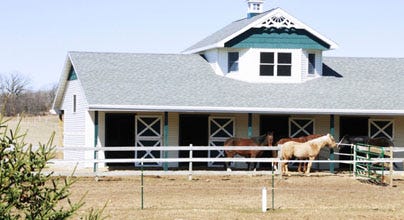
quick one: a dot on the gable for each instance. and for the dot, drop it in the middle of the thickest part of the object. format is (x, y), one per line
(287, 38)
(72, 75)
(275, 18)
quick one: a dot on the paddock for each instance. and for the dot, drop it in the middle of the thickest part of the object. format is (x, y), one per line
(223, 196)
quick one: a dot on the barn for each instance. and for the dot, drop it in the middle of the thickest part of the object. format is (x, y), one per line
(264, 72)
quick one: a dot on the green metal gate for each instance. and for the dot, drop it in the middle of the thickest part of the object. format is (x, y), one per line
(364, 165)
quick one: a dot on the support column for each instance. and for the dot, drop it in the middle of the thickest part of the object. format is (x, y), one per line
(165, 133)
(249, 125)
(332, 132)
(95, 139)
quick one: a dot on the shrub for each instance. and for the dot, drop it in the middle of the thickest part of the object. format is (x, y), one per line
(26, 190)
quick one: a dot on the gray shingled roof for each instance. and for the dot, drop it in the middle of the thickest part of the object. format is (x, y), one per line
(226, 31)
(178, 82)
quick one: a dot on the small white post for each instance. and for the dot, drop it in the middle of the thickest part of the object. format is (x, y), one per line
(190, 163)
(264, 199)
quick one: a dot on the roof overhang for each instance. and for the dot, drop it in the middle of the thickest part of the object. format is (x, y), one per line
(208, 109)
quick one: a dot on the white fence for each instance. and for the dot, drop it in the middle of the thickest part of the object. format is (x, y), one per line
(192, 159)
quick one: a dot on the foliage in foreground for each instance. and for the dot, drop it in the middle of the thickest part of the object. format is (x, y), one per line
(26, 191)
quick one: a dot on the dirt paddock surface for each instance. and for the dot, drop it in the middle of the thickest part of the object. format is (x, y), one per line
(319, 196)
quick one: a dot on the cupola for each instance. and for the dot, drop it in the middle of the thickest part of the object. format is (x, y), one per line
(255, 7)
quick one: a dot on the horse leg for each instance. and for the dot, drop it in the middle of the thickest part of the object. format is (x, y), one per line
(309, 165)
(299, 169)
(229, 154)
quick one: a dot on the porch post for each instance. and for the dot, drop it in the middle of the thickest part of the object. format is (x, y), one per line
(249, 125)
(95, 140)
(332, 132)
(165, 133)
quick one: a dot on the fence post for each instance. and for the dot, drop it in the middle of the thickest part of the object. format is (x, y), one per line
(190, 163)
(264, 199)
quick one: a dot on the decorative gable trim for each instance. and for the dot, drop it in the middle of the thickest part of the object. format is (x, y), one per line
(277, 18)
(277, 21)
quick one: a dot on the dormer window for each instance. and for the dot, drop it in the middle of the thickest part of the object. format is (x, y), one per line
(275, 64)
(256, 7)
(232, 58)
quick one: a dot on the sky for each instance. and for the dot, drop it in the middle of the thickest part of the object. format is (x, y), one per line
(35, 36)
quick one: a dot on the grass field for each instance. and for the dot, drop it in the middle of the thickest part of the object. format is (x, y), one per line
(39, 129)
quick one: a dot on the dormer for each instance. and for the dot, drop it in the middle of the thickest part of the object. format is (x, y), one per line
(270, 47)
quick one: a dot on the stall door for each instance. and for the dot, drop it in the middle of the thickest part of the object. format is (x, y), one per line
(220, 129)
(149, 134)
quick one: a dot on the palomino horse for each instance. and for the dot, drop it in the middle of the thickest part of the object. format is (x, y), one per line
(264, 140)
(309, 149)
(301, 139)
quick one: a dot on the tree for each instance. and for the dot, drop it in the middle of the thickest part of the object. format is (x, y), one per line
(26, 191)
(12, 87)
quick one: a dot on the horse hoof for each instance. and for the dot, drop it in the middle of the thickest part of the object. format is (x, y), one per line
(228, 170)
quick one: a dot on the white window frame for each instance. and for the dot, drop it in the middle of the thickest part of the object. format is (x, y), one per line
(276, 63)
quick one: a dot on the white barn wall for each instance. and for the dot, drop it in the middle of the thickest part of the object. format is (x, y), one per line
(74, 131)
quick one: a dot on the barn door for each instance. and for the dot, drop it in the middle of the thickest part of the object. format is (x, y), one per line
(220, 129)
(149, 134)
(301, 127)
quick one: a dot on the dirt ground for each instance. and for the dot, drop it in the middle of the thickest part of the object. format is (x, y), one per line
(319, 196)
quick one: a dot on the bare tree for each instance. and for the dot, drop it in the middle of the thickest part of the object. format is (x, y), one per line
(12, 87)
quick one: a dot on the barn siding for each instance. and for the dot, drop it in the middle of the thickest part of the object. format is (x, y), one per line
(173, 136)
(74, 122)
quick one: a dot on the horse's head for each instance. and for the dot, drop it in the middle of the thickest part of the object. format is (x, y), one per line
(270, 138)
(331, 141)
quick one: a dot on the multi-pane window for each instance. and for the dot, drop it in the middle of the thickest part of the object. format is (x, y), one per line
(232, 62)
(275, 64)
(312, 63)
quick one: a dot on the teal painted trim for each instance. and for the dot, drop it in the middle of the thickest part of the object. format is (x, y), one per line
(249, 125)
(277, 38)
(95, 139)
(165, 165)
(332, 132)
(72, 75)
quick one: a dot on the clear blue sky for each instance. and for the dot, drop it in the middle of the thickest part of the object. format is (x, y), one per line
(35, 36)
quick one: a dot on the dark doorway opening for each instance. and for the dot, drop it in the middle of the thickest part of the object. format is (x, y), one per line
(193, 130)
(352, 126)
(119, 132)
(279, 124)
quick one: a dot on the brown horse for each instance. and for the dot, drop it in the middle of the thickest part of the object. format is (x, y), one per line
(301, 139)
(264, 140)
(309, 149)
